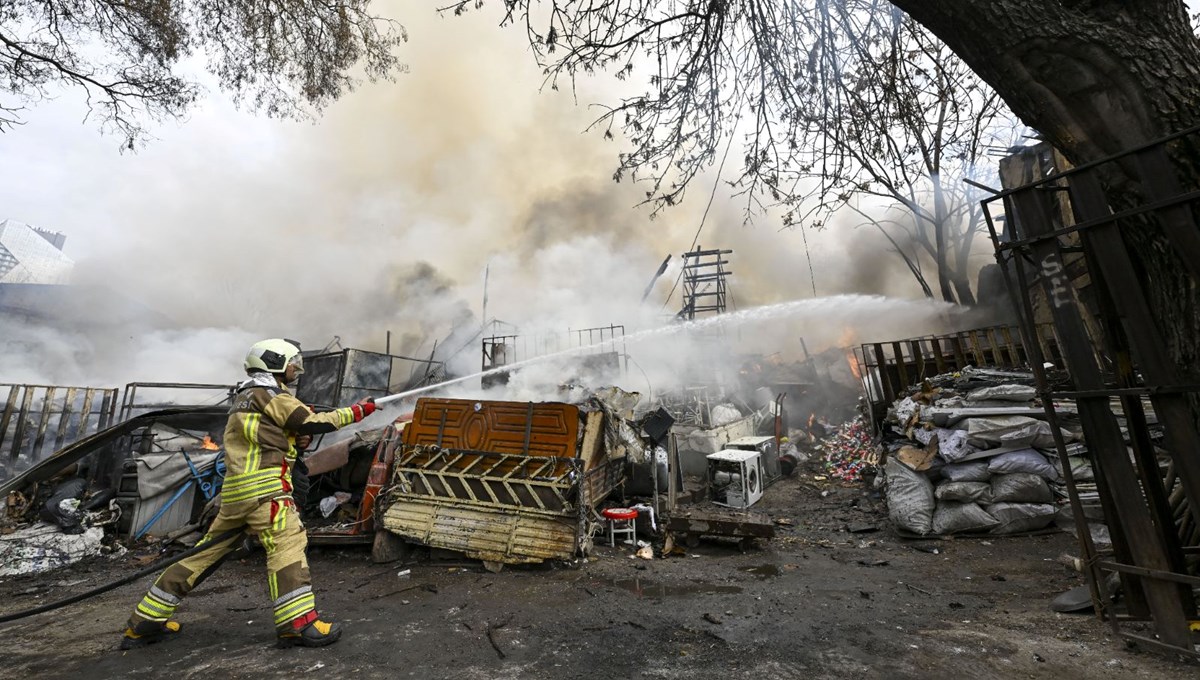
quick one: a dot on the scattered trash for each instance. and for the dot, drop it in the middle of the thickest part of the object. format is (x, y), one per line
(1077, 600)
(330, 503)
(44, 547)
(849, 452)
(404, 574)
(645, 553)
(914, 588)
(873, 563)
(712, 618)
(62, 508)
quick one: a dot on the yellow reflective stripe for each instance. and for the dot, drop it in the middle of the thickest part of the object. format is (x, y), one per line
(253, 492)
(162, 607)
(250, 432)
(280, 519)
(273, 584)
(296, 609)
(154, 611)
(346, 415)
(250, 478)
(251, 485)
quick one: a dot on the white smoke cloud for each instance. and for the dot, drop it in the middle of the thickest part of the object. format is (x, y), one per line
(383, 215)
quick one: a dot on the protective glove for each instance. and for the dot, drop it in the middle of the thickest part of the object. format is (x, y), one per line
(363, 408)
(303, 441)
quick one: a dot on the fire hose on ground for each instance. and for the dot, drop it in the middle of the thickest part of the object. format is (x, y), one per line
(157, 566)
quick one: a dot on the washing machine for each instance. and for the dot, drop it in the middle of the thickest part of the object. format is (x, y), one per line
(735, 478)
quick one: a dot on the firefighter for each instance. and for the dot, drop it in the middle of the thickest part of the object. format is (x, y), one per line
(264, 423)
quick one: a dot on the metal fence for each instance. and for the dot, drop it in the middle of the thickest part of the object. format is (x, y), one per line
(37, 420)
(889, 368)
(142, 397)
(1119, 213)
(599, 348)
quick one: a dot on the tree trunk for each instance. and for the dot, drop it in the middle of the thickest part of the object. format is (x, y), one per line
(962, 287)
(942, 257)
(962, 260)
(1095, 78)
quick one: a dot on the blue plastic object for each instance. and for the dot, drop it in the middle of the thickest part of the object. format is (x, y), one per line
(210, 485)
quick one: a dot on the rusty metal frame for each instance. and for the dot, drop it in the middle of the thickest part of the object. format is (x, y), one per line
(131, 407)
(1152, 534)
(890, 368)
(489, 482)
(610, 338)
(55, 414)
(702, 269)
(430, 471)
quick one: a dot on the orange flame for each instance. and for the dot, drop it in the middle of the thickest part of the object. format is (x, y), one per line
(854, 367)
(209, 444)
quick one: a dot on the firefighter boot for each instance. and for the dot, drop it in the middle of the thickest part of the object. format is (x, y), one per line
(148, 632)
(317, 633)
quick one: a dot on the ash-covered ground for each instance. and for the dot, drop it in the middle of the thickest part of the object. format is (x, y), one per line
(816, 602)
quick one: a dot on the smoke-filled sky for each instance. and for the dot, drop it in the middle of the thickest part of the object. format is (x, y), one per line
(382, 214)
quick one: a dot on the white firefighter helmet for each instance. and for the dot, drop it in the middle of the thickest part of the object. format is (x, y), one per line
(274, 356)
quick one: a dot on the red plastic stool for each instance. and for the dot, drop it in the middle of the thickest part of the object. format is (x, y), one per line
(620, 521)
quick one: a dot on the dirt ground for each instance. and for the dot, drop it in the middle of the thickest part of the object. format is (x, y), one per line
(816, 602)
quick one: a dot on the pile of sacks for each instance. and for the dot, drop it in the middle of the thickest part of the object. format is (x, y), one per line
(971, 453)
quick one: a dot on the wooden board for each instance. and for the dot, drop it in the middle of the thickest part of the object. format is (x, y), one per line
(496, 426)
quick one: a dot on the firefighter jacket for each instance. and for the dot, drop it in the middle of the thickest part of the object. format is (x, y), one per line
(260, 438)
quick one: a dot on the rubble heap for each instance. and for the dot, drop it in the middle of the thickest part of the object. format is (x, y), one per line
(971, 452)
(850, 452)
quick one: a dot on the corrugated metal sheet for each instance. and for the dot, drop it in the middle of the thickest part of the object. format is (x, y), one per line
(489, 534)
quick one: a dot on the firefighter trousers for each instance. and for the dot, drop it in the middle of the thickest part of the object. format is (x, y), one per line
(281, 533)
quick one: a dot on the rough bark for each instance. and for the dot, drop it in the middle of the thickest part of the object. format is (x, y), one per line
(1095, 78)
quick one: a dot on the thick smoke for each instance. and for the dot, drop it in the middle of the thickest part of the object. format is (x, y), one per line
(383, 215)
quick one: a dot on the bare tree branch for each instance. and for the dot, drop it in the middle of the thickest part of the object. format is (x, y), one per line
(835, 99)
(284, 57)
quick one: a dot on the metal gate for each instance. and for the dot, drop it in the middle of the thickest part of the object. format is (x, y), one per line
(1062, 248)
(38, 420)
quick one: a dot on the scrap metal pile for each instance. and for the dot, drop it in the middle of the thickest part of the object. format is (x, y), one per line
(157, 474)
(972, 452)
